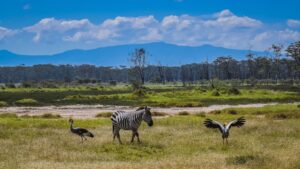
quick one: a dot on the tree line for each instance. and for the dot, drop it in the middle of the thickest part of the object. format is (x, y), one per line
(280, 64)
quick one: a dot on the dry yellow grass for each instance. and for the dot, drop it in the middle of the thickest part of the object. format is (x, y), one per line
(175, 142)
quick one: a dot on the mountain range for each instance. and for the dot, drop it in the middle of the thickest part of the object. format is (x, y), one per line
(163, 53)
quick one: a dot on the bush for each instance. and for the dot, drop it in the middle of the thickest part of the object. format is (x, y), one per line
(159, 114)
(231, 112)
(233, 91)
(104, 114)
(298, 105)
(50, 116)
(27, 102)
(190, 104)
(10, 85)
(113, 83)
(183, 113)
(215, 112)
(140, 92)
(215, 93)
(3, 104)
(27, 84)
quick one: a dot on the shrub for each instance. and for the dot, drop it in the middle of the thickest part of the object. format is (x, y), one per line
(10, 85)
(233, 91)
(298, 105)
(190, 104)
(3, 104)
(280, 116)
(183, 113)
(104, 114)
(27, 102)
(215, 93)
(50, 116)
(231, 112)
(139, 92)
(215, 112)
(27, 84)
(159, 114)
(113, 83)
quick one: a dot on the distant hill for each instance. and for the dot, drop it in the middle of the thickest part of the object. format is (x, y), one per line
(166, 54)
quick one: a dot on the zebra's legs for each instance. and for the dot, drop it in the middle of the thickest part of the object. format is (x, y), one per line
(137, 135)
(118, 136)
(133, 135)
(226, 141)
(116, 132)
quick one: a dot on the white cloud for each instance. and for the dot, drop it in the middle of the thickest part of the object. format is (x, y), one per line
(57, 27)
(293, 23)
(223, 29)
(4, 32)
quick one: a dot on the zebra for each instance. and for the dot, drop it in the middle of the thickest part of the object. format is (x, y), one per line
(130, 121)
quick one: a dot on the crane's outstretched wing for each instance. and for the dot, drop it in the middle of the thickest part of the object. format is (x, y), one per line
(238, 123)
(213, 124)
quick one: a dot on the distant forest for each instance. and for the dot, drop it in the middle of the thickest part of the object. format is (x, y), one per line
(279, 65)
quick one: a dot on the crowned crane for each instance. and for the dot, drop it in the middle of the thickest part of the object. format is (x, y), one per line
(80, 131)
(224, 129)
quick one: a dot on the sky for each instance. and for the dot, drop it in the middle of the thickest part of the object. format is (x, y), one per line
(38, 27)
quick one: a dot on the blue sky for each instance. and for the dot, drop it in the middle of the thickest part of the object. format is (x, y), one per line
(52, 26)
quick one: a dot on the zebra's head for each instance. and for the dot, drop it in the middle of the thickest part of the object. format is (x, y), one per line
(147, 117)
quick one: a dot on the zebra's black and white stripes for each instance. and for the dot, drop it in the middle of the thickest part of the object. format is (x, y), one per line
(130, 121)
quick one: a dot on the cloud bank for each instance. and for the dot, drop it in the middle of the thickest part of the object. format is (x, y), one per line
(223, 29)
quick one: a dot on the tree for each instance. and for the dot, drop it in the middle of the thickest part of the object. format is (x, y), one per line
(161, 73)
(226, 66)
(277, 52)
(138, 59)
(250, 63)
(293, 51)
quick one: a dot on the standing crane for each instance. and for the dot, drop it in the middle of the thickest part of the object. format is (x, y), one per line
(80, 131)
(224, 129)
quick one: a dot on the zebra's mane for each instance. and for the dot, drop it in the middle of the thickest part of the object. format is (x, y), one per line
(140, 108)
(119, 112)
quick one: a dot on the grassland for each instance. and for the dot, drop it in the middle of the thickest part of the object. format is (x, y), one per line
(163, 96)
(266, 141)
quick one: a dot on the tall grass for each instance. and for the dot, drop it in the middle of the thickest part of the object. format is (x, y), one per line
(173, 142)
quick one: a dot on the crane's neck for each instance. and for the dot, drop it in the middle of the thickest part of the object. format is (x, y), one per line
(71, 125)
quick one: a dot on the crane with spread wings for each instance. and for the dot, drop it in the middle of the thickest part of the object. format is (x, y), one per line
(224, 129)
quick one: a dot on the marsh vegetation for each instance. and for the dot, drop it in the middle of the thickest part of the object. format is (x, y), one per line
(173, 142)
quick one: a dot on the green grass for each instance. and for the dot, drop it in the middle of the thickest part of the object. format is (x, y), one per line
(173, 142)
(163, 96)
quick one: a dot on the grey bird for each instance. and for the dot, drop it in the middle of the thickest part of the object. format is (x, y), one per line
(83, 133)
(224, 129)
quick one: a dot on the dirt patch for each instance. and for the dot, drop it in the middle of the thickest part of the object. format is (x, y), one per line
(90, 111)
